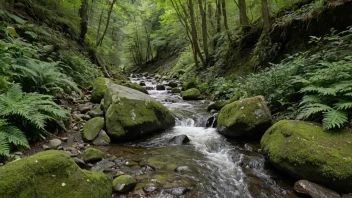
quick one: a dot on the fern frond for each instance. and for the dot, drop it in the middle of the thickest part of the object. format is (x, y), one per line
(4, 146)
(334, 119)
(310, 99)
(310, 110)
(343, 105)
(15, 136)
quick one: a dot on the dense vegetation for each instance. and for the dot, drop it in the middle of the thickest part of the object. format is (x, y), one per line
(231, 49)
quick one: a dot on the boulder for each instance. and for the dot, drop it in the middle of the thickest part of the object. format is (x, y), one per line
(244, 118)
(134, 86)
(99, 87)
(96, 112)
(191, 94)
(92, 128)
(218, 105)
(51, 174)
(92, 155)
(306, 151)
(175, 90)
(157, 76)
(172, 84)
(102, 140)
(131, 114)
(124, 183)
(189, 85)
(180, 139)
(314, 190)
(160, 87)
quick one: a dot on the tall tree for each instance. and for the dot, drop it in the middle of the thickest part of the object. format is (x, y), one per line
(204, 28)
(100, 41)
(266, 15)
(83, 13)
(244, 21)
(218, 16)
(224, 13)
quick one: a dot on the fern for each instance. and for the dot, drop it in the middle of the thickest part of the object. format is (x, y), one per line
(310, 110)
(32, 109)
(334, 119)
(10, 135)
(343, 105)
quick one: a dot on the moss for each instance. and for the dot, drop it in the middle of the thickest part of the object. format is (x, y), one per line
(247, 117)
(99, 87)
(175, 90)
(218, 105)
(306, 151)
(51, 174)
(191, 94)
(92, 128)
(92, 155)
(189, 85)
(134, 86)
(124, 183)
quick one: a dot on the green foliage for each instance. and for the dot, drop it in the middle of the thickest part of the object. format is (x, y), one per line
(10, 135)
(29, 111)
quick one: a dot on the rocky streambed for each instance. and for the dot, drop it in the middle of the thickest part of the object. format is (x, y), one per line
(196, 155)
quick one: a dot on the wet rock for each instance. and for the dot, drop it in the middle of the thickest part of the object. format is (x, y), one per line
(46, 147)
(244, 118)
(189, 85)
(92, 155)
(141, 114)
(160, 87)
(183, 169)
(86, 117)
(150, 187)
(180, 139)
(92, 128)
(99, 87)
(54, 143)
(142, 83)
(314, 190)
(124, 183)
(218, 105)
(96, 112)
(191, 94)
(172, 84)
(103, 165)
(102, 140)
(305, 150)
(134, 86)
(157, 76)
(79, 162)
(175, 90)
(51, 174)
(178, 191)
(84, 108)
(147, 169)
(149, 88)
(249, 161)
(211, 122)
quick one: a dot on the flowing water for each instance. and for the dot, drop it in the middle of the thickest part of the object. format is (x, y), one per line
(211, 165)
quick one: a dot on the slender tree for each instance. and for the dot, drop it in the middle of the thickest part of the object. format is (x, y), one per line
(194, 32)
(83, 12)
(100, 41)
(224, 13)
(265, 15)
(218, 16)
(204, 28)
(244, 21)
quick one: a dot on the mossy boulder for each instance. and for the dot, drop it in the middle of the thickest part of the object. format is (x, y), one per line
(92, 128)
(244, 118)
(306, 151)
(134, 86)
(189, 85)
(124, 183)
(218, 105)
(131, 114)
(191, 94)
(92, 155)
(51, 174)
(175, 90)
(99, 87)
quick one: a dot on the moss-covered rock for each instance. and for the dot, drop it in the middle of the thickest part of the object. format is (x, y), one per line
(124, 183)
(218, 105)
(92, 155)
(51, 174)
(189, 85)
(175, 90)
(131, 114)
(244, 118)
(99, 87)
(92, 128)
(191, 94)
(306, 151)
(134, 86)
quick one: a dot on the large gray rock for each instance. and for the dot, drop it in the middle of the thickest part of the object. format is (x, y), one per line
(244, 118)
(131, 114)
(92, 128)
(314, 190)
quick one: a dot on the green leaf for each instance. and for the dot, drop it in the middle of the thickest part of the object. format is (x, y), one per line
(334, 119)
(12, 32)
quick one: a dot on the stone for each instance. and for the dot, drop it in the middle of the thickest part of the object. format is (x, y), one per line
(134, 86)
(124, 183)
(314, 190)
(102, 140)
(306, 151)
(175, 90)
(157, 76)
(178, 191)
(103, 165)
(79, 162)
(92, 155)
(96, 112)
(131, 114)
(248, 117)
(182, 169)
(51, 174)
(189, 85)
(191, 94)
(211, 121)
(46, 147)
(54, 143)
(99, 87)
(150, 187)
(84, 108)
(218, 105)
(142, 83)
(160, 87)
(172, 84)
(86, 117)
(179, 140)
(92, 128)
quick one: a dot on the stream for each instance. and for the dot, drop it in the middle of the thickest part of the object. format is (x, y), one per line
(210, 165)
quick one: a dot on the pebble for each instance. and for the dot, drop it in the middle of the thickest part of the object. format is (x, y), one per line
(54, 143)
(45, 147)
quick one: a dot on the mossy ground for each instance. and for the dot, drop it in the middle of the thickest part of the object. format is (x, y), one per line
(51, 174)
(306, 151)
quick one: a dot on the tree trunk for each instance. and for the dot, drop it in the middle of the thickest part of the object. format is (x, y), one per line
(100, 41)
(224, 13)
(194, 31)
(204, 29)
(98, 33)
(265, 15)
(83, 12)
(218, 16)
(244, 21)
